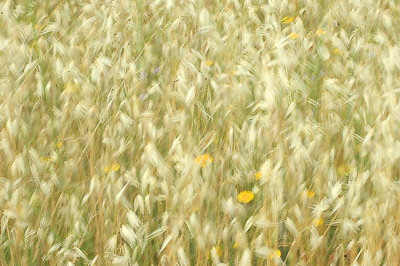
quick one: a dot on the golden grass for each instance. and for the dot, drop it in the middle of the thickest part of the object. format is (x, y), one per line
(222, 132)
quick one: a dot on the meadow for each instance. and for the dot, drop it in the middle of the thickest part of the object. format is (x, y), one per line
(199, 132)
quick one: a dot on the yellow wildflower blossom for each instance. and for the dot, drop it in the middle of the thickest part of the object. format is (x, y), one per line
(258, 175)
(245, 196)
(293, 35)
(287, 20)
(218, 251)
(310, 194)
(59, 144)
(318, 222)
(235, 245)
(38, 27)
(114, 167)
(107, 169)
(209, 63)
(336, 51)
(320, 32)
(203, 159)
(276, 254)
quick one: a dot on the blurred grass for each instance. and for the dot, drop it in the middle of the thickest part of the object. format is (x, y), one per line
(108, 52)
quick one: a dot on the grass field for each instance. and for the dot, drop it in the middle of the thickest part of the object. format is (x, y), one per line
(199, 132)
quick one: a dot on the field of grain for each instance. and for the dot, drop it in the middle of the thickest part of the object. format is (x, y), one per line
(199, 132)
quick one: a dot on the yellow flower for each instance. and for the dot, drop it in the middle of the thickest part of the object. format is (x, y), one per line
(203, 159)
(344, 169)
(209, 63)
(320, 32)
(235, 245)
(217, 249)
(287, 20)
(107, 169)
(59, 144)
(318, 222)
(234, 72)
(310, 194)
(258, 175)
(114, 167)
(275, 254)
(293, 35)
(245, 196)
(336, 51)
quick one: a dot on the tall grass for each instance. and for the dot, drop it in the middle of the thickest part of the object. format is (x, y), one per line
(223, 132)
